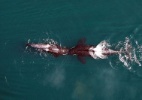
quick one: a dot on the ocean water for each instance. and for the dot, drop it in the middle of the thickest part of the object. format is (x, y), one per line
(28, 75)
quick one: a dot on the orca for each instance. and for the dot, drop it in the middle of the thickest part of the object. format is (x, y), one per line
(101, 51)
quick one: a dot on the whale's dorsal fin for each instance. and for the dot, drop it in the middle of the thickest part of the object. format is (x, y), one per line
(81, 59)
(81, 42)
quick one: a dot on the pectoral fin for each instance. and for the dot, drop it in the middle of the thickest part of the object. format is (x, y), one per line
(55, 55)
(81, 59)
(81, 42)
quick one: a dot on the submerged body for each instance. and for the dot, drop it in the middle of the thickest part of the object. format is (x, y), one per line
(54, 49)
(80, 50)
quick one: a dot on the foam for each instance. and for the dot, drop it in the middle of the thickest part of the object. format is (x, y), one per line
(97, 52)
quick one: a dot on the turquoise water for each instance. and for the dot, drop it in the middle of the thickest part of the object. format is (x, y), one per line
(26, 75)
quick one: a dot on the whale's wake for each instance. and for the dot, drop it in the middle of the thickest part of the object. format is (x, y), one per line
(131, 58)
(133, 55)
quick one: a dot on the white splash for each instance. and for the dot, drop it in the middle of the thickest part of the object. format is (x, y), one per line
(97, 52)
(133, 53)
(6, 80)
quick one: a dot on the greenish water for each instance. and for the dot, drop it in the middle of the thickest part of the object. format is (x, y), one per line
(26, 75)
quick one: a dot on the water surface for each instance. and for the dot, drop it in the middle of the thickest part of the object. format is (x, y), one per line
(26, 75)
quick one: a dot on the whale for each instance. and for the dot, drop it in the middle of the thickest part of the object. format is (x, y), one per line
(54, 49)
(101, 51)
